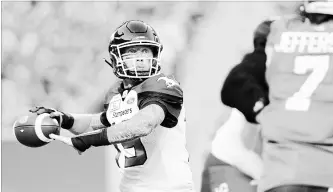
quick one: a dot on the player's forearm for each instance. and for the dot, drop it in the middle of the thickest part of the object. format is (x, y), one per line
(228, 146)
(139, 125)
(86, 122)
(229, 134)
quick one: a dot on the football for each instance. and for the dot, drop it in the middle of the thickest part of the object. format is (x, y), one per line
(33, 130)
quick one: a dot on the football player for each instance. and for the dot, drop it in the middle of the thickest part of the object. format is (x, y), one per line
(297, 125)
(144, 116)
(234, 162)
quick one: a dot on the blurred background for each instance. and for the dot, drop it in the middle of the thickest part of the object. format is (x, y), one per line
(52, 55)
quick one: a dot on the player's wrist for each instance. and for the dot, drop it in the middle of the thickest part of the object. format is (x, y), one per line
(104, 120)
(258, 107)
(94, 138)
(67, 121)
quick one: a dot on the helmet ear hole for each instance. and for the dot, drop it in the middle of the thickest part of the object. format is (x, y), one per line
(107, 62)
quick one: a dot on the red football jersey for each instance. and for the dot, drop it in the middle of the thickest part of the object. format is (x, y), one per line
(298, 122)
(160, 160)
(300, 78)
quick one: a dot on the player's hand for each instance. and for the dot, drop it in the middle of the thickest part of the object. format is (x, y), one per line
(65, 120)
(63, 139)
(40, 110)
(57, 115)
(254, 182)
(258, 106)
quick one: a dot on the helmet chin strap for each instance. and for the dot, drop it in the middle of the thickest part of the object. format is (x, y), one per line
(107, 62)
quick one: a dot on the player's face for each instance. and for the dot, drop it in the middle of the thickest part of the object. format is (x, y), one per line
(137, 57)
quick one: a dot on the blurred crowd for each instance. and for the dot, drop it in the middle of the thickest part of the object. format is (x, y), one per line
(52, 52)
(52, 55)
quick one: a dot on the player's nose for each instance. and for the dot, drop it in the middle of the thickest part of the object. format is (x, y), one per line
(140, 64)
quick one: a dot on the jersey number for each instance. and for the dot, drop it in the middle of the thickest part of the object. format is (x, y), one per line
(131, 153)
(319, 65)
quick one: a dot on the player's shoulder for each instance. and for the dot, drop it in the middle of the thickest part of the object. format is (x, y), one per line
(281, 24)
(284, 22)
(113, 90)
(161, 83)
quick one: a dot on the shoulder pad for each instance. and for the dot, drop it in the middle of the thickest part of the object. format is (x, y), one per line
(161, 84)
(114, 89)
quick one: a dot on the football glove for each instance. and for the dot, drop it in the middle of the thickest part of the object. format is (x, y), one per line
(94, 138)
(65, 120)
(84, 141)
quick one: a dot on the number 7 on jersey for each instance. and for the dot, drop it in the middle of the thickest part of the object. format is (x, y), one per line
(319, 65)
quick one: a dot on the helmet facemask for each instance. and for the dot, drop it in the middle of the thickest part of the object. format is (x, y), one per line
(136, 65)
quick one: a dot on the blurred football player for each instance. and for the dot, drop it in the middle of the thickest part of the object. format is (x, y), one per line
(297, 124)
(144, 116)
(235, 162)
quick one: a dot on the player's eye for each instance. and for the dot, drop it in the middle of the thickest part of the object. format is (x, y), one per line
(131, 51)
(145, 50)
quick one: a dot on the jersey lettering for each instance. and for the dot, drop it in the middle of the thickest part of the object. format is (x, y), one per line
(131, 153)
(305, 42)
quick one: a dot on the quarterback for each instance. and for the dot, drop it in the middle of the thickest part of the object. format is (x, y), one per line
(144, 116)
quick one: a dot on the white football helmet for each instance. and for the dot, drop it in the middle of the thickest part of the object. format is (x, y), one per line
(318, 6)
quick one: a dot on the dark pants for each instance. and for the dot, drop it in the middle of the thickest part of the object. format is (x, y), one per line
(222, 177)
(298, 188)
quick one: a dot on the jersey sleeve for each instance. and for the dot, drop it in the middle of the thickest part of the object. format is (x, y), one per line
(246, 84)
(165, 92)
